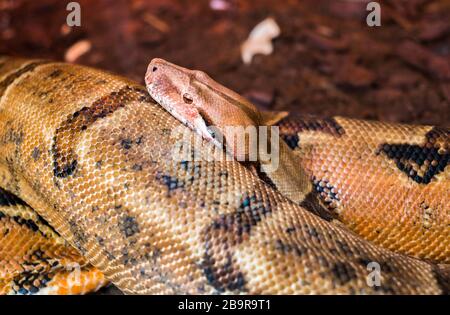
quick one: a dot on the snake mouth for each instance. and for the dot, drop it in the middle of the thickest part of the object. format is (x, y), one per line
(190, 116)
(214, 132)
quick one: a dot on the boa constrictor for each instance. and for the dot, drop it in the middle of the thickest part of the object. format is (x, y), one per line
(90, 192)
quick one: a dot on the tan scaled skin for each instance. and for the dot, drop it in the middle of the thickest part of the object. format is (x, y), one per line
(35, 259)
(91, 153)
(415, 220)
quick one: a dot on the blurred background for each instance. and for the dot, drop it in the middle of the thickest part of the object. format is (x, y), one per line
(325, 61)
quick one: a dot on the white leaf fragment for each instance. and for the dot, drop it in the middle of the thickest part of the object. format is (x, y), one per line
(77, 50)
(260, 39)
(219, 5)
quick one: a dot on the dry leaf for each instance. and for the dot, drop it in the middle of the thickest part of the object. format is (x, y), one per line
(260, 40)
(219, 5)
(76, 50)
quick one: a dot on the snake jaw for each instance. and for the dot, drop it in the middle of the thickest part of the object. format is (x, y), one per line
(169, 96)
(186, 114)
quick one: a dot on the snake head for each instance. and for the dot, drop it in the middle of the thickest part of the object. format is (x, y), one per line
(168, 85)
(198, 101)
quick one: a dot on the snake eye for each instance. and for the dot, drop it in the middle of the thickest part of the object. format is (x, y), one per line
(187, 98)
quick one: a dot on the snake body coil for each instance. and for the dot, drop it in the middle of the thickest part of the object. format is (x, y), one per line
(91, 153)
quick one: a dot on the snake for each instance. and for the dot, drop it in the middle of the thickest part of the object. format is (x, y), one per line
(93, 190)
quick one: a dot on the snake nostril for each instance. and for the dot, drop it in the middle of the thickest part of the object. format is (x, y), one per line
(154, 69)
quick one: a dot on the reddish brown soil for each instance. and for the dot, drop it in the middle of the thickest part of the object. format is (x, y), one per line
(327, 61)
